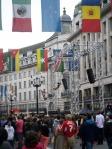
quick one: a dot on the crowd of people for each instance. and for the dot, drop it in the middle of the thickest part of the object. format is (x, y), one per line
(38, 131)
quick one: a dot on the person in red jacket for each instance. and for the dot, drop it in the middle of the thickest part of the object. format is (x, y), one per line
(69, 128)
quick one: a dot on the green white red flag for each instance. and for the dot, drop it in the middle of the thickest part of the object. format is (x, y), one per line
(22, 16)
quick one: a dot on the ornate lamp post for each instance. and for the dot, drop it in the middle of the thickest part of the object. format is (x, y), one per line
(11, 102)
(37, 83)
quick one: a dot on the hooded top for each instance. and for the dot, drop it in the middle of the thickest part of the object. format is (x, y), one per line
(88, 130)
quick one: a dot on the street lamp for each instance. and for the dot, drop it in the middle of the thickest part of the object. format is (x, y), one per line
(37, 83)
(11, 102)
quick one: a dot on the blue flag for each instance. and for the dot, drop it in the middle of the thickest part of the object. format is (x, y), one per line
(91, 2)
(50, 15)
(74, 65)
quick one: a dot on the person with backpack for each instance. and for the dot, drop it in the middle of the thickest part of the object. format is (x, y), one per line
(69, 128)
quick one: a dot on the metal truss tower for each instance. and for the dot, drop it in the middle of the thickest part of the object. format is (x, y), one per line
(86, 49)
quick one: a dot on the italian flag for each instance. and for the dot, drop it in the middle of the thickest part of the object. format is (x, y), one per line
(42, 59)
(22, 16)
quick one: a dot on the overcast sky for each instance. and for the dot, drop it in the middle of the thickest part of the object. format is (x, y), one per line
(12, 40)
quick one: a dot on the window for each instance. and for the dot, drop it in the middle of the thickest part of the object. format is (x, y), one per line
(20, 97)
(20, 85)
(15, 77)
(110, 24)
(20, 75)
(15, 89)
(29, 83)
(29, 95)
(29, 73)
(25, 96)
(93, 36)
(10, 77)
(1, 79)
(24, 84)
(24, 74)
(6, 78)
(104, 27)
(34, 71)
(77, 25)
(88, 36)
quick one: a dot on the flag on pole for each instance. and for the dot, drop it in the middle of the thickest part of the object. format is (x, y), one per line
(61, 67)
(91, 16)
(7, 62)
(50, 15)
(17, 62)
(91, 2)
(22, 16)
(13, 53)
(42, 59)
(59, 62)
(0, 17)
(1, 60)
(74, 65)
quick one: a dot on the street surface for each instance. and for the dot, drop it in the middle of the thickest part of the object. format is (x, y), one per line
(78, 146)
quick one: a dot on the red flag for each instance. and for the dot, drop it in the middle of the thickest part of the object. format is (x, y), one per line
(22, 16)
(13, 52)
(58, 61)
(91, 18)
(45, 59)
(1, 60)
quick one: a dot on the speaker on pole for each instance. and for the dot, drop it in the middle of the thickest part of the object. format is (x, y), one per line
(64, 83)
(90, 74)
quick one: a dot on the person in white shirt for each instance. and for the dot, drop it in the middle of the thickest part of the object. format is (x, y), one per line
(100, 127)
(10, 131)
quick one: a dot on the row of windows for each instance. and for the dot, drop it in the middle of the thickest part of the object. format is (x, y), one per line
(25, 96)
(31, 96)
(16, 76)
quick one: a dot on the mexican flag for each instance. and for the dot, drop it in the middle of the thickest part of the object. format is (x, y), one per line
(22, 16)
(42, 59)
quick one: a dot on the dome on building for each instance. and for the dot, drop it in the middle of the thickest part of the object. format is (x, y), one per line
(65, 17)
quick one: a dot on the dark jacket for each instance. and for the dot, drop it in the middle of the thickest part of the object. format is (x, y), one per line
(6, 145)
(108, 129)
(88, 130)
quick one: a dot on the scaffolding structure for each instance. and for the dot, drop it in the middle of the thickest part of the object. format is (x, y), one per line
(86, 49)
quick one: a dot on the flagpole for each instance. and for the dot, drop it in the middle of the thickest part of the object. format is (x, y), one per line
(47, 110)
